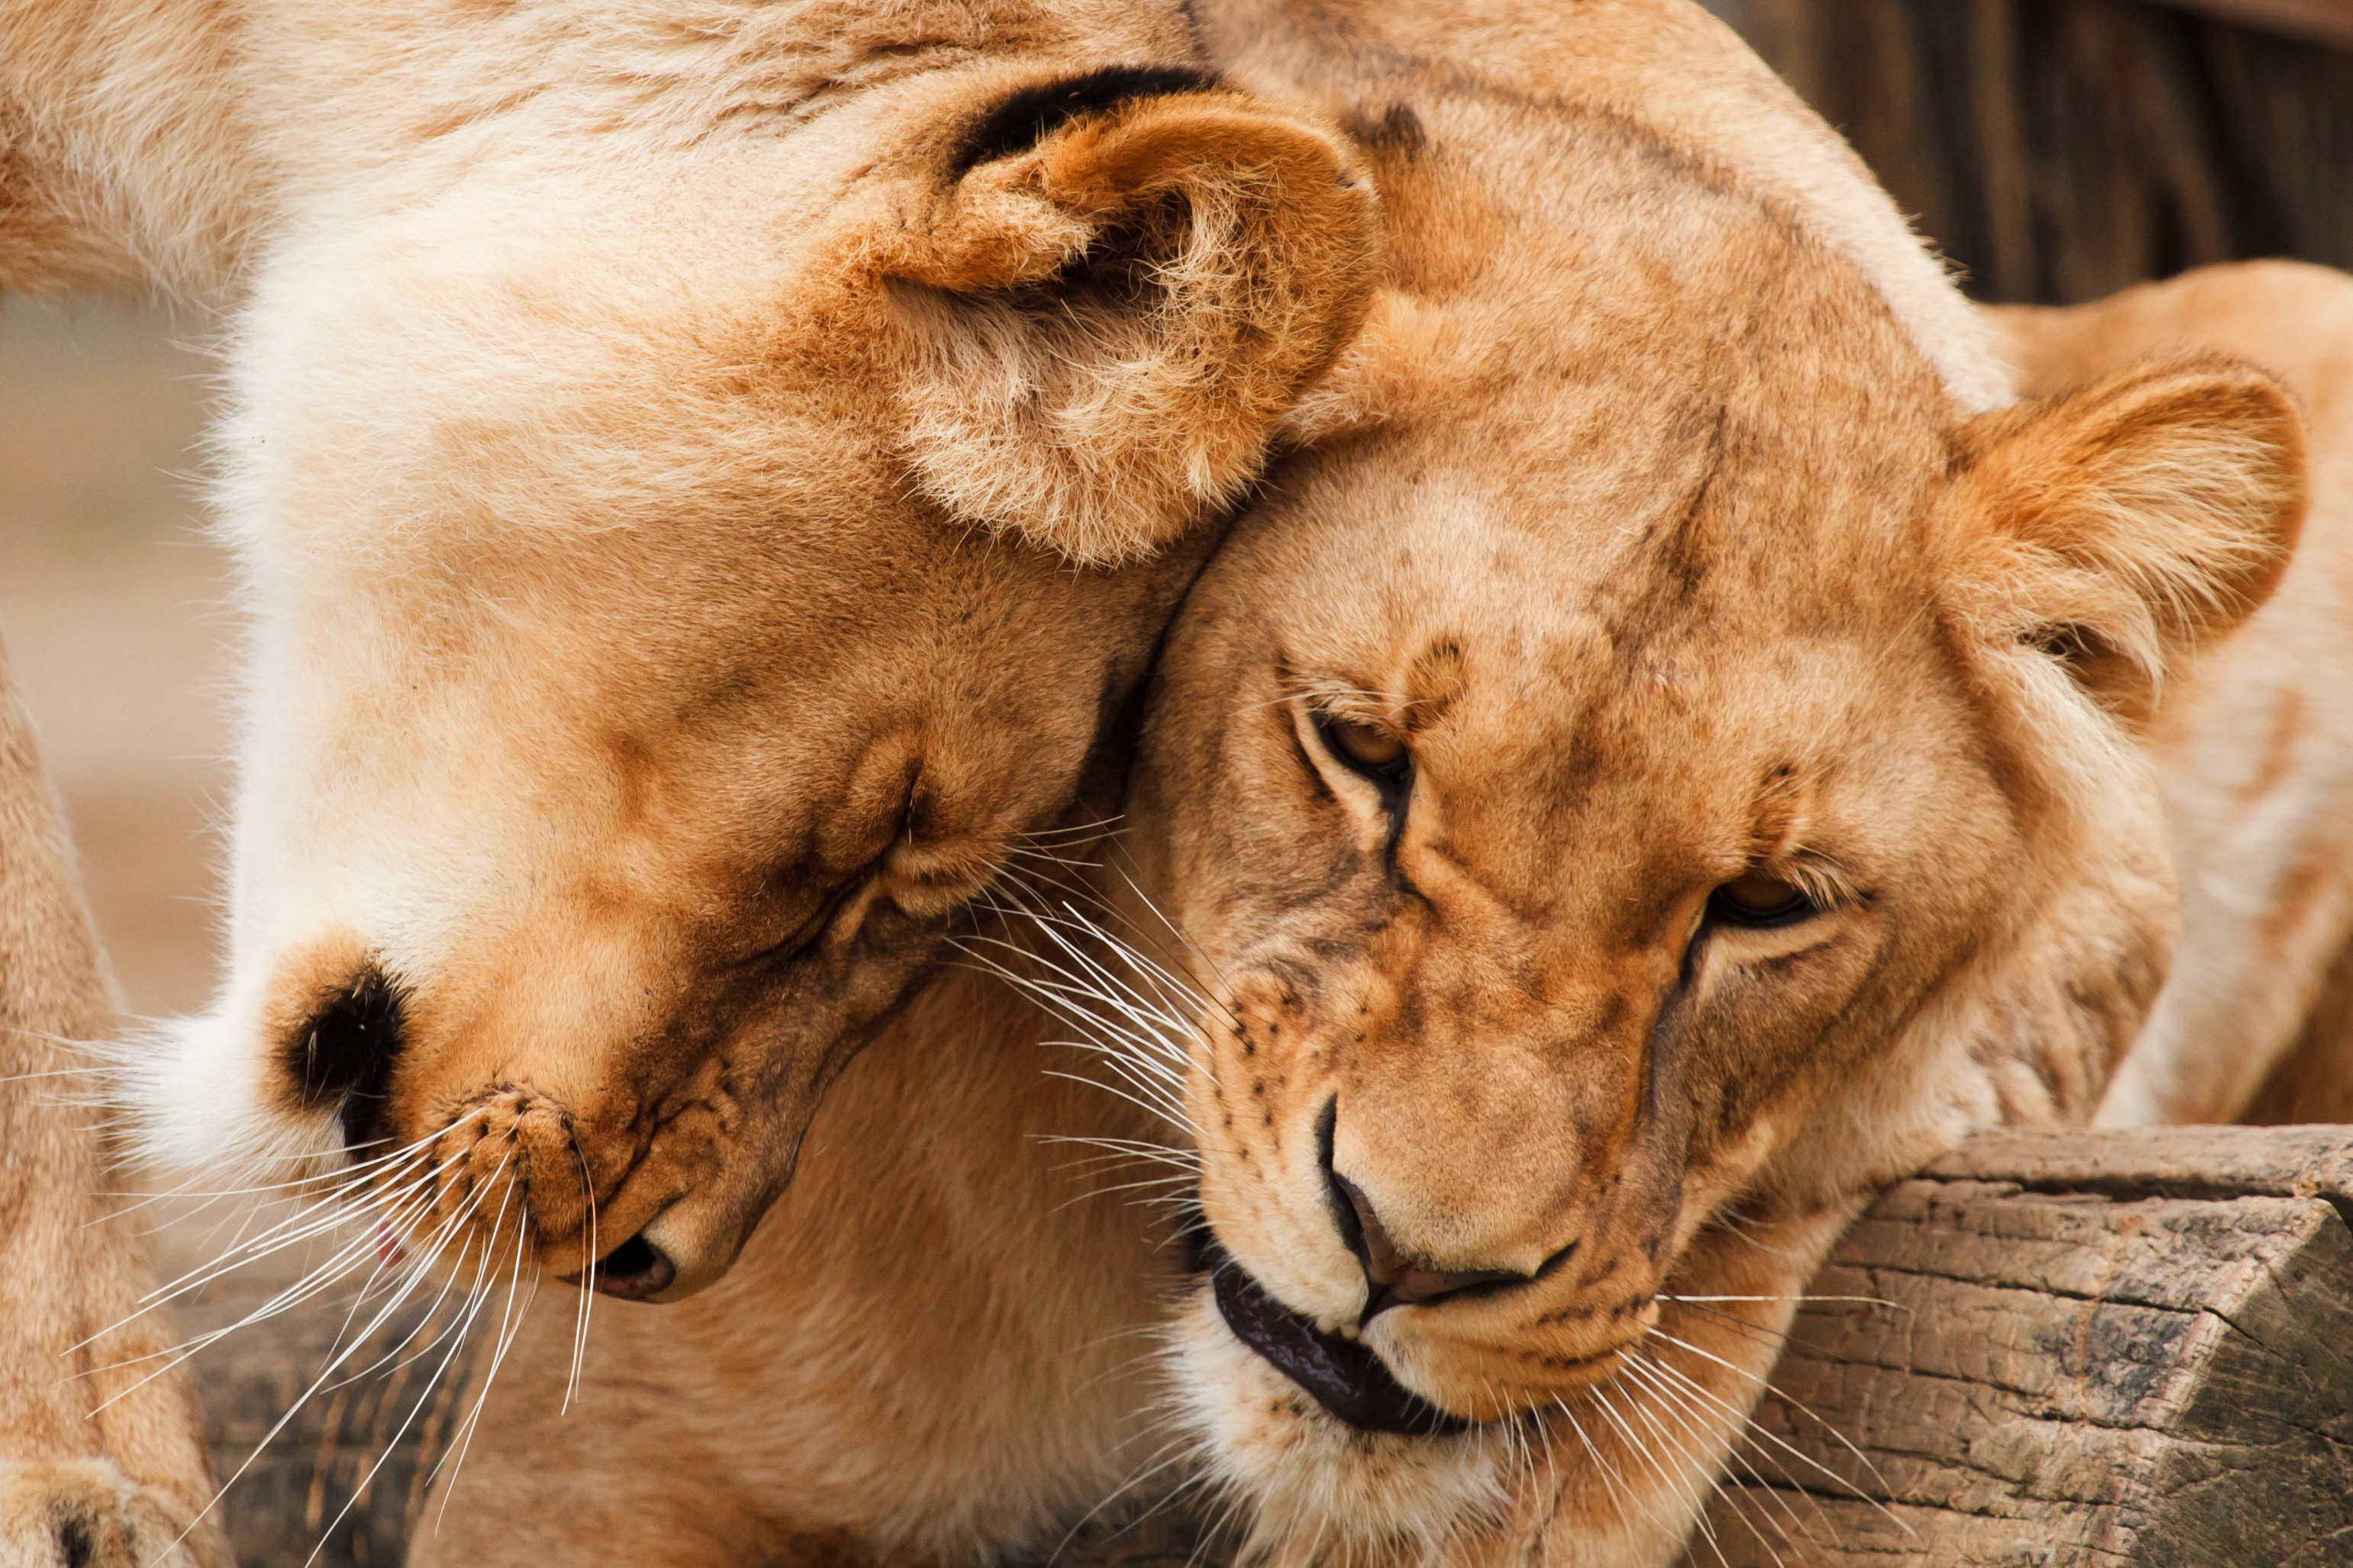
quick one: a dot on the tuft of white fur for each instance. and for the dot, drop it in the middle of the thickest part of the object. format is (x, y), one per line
(1317, 1489)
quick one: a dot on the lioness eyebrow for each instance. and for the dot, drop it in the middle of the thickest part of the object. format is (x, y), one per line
(1819, 876)
(1343, 700)
(1783, 816)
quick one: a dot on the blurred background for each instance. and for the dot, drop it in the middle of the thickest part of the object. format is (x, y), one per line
(112, 604)
(2056, 149)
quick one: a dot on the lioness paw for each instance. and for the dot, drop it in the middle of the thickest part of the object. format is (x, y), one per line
(86, 1513)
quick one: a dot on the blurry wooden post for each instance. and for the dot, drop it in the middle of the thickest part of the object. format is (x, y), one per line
(2061, 149)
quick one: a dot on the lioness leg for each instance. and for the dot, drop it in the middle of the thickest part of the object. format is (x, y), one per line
(2257, 754)
(93, 1470)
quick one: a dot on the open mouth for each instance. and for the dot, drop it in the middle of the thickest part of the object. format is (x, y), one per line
(1345, 1378)
(632, 1271)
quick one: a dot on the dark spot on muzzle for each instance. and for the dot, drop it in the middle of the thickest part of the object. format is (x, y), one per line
(1345, 1378)
(75, 1545)
(347, 1053)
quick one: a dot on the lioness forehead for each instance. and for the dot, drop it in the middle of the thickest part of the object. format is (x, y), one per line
(1648, 511)
(1654, 380)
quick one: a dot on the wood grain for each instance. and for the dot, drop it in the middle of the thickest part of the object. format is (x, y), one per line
(2070, 1349)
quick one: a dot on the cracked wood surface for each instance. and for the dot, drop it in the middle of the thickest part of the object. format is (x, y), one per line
(2072, 1349)
(2055, 1349)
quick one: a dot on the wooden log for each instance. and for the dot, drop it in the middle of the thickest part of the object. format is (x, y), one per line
(2069, 1348)
(2063, 1349)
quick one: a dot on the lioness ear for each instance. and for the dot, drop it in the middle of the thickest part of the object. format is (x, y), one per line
(1121, 284)
(2121, 527)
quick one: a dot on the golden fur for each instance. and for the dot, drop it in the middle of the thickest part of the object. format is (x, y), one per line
(2256, 748)
(1671, 534)
(680, 462)
(95, 1469)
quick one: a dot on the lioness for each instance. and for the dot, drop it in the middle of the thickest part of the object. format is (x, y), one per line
(708, 476)
(1669, 756)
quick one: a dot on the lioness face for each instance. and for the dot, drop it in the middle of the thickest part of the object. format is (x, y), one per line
(671, 608)
(1639, 778)
(1608, 815)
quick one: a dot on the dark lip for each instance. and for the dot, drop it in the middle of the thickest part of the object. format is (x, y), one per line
(1344, 1376)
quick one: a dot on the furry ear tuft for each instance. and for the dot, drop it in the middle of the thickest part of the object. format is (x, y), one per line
(1398, 359)
(2122, 528)
(1113, 316)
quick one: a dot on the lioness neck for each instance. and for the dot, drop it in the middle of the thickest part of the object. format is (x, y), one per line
(159, 146)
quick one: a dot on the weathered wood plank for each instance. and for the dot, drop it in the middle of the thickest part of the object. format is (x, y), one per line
(2070, 1349)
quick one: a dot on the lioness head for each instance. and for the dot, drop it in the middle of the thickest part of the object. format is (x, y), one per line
(1658, 768)
(685, 558)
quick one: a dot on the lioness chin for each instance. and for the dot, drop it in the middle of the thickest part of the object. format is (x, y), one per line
(1670, 754)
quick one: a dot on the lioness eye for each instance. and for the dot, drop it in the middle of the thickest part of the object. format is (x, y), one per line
(1364, 748)
(1761, 902)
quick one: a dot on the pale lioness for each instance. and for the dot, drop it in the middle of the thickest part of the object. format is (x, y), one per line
(1668, 756)
(707, 478)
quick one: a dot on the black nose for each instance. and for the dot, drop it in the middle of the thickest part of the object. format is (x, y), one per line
(634, 1270)
(347, 1051)
(1394, 1278)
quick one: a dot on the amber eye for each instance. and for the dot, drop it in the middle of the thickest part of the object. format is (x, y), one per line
(1761, 902)
(1373, 751)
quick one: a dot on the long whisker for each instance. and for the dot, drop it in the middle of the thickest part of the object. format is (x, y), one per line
(587, 1288)
(1703, 1391)
(1694, 1420)
(391, 1203)
(335, 1361)
(309, 1286)
(1634, 1450)
(501, 1343)
(1615, 1486)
